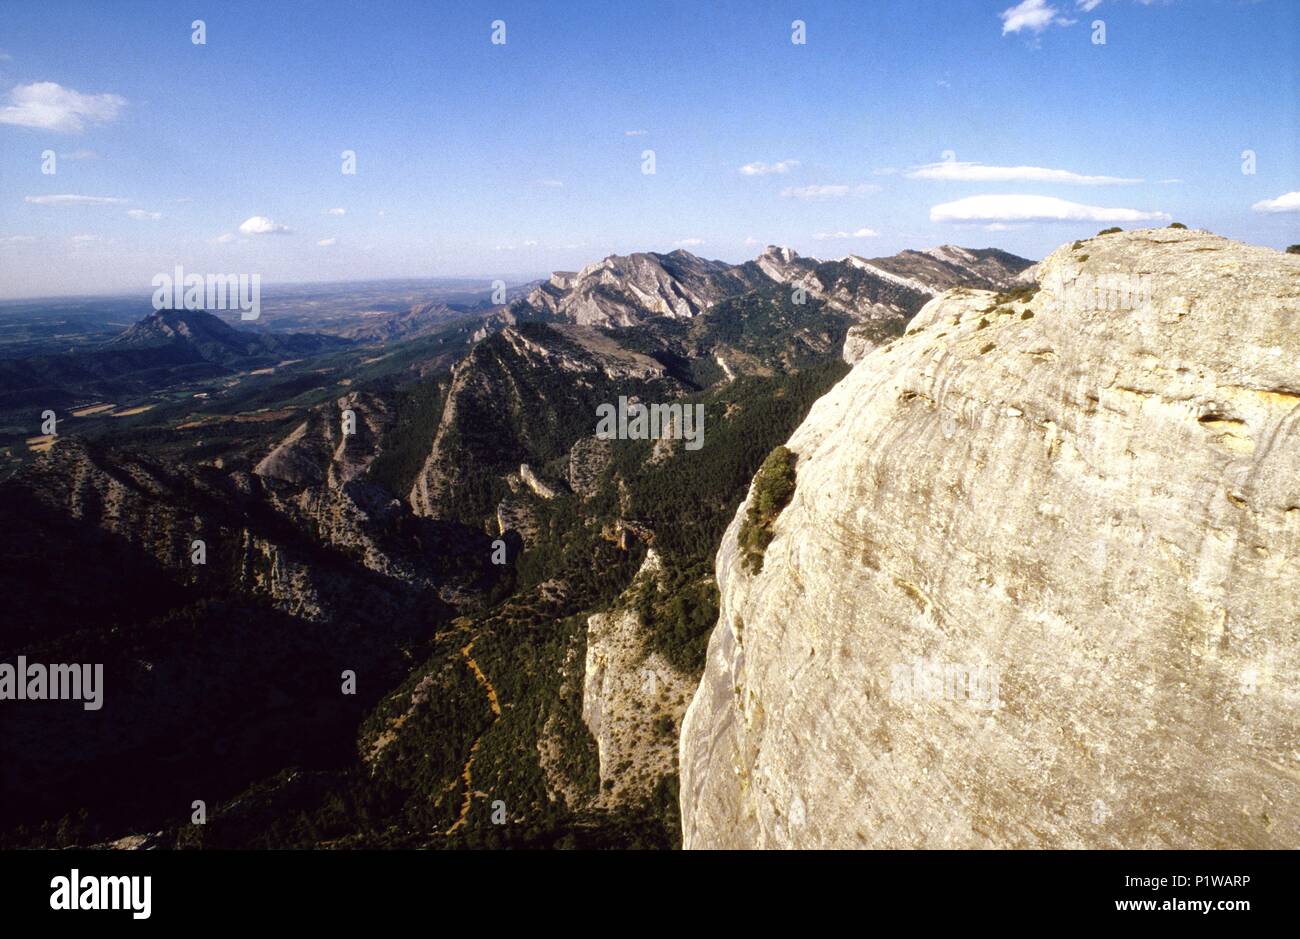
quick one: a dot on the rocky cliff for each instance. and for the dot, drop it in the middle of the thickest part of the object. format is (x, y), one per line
(633, 700)
(1039, 581)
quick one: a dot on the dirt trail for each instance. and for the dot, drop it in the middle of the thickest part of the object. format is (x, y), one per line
(467, 774)
(482, 679)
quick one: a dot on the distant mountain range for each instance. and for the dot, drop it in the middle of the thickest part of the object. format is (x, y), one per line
(626, 290)
(165, 347)
(210, 339)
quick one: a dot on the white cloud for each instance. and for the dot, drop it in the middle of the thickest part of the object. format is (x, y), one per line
(688, 243)
(327, 242)
(84, 239)
(1287, 202)
(1033, 15)
(983, 173)
(551, 183)
(261, 225)
(813, 193)
(336, 212)
(1087, 6)
(767, 169)
(68, 199)
(751, 240)
(16, 239)
(530, 243)
(50, 106)
(634, 133)
(1022, 208)
(144, 216)
(225, 239)
(860, 233)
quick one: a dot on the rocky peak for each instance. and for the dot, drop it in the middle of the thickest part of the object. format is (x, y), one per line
(951, 254)
(779, 263)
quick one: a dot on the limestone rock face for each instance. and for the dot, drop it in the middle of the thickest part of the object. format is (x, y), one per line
(632, 700)
(857, 344)
(1039, 582)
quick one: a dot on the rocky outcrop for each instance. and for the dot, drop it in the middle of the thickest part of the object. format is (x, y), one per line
(632, 701)
(538, 486)
(857, 344)
(589, 461)
(1039, 581)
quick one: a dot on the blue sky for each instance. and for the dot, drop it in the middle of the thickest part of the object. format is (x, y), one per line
(517, 159)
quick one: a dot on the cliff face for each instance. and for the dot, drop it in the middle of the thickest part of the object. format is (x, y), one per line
(633, 700)
(1039, 582)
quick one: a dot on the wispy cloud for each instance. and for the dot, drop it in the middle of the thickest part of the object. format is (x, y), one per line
(1025, 208)
(836, 235)
(1032, 15)
(50, 106)
(634, 133)
(688, 243)
(952, 170)
(759, 168)
(551, 183)
(261, 225)
(335, 212)
(1287, 202)
(144, 216)
(815, 193)
(69, 199)
(16, 239)
(327, 242)
(1087, 6)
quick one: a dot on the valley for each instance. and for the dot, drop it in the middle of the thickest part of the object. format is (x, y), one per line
(372, 551)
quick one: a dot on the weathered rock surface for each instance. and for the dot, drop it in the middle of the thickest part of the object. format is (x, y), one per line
(1093, 498)
(632, 702)
(858, 343)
